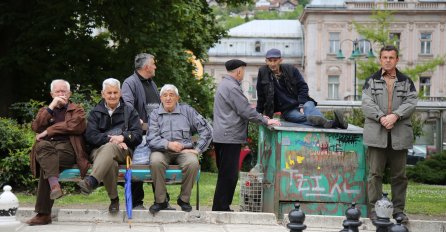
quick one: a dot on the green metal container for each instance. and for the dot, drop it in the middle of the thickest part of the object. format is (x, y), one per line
(322, 169)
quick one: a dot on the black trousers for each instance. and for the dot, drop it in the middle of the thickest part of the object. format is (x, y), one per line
(137, 193)
(227, 157)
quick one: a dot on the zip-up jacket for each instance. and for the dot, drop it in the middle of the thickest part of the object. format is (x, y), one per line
(375, 106)
(179, 126)
(99, 122)
(294, 83)
(232, 112)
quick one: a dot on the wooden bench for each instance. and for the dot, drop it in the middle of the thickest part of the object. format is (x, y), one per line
(139, 173)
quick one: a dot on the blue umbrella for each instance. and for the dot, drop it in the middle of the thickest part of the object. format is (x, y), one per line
(128, 190)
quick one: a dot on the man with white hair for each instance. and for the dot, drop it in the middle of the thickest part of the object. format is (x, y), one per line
(59, 144)
(171, 127)
(113, 131)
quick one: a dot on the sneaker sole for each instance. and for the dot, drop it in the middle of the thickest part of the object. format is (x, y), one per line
(339, 117)
(56, 195)
(84, 188)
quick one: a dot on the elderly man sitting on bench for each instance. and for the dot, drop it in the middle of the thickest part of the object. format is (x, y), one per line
(171, 127)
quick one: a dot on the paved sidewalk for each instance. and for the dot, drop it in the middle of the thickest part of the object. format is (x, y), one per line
(92, 220)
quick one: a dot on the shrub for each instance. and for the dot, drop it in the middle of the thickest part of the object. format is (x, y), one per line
(430, 171)
(16, 146)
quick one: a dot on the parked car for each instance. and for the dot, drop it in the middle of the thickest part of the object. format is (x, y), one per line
(417, 153)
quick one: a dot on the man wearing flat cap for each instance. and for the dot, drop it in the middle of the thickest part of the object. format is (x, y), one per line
(232, 112)
(281, 88)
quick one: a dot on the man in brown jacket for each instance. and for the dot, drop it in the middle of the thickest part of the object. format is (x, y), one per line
(59, 144)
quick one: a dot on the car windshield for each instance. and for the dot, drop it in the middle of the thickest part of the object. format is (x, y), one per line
(419, 150)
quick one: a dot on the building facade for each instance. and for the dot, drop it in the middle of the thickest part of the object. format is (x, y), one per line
(249, 42)
(418, 25)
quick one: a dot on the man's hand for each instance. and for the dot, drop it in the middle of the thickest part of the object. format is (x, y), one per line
(41, 135)
(389, 121)
(192, 151)
(175, 146)
(116, 139)
(301, 110)
(273, 122)
(58, 102)
(123, 146)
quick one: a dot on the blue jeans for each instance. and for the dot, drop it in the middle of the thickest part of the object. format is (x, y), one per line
(295, 116)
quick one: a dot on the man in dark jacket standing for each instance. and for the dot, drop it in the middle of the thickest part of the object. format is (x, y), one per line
(113, 131)
(281, 88)
(140, 91)
(389, 99)
(59, 144)
(232, 112)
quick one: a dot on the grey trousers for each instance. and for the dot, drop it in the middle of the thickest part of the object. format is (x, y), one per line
(189, 167)
(106, 160)
(395, 160)
(53, 157)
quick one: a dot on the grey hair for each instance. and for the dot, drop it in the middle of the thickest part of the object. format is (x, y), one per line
(142, 59)
(111, 82)
(169, 87)
(58, 80)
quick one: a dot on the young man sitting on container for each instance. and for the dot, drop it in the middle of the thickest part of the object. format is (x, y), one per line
(281, 88)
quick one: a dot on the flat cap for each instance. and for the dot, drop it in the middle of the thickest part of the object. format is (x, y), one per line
(273, 53)
(233, 64)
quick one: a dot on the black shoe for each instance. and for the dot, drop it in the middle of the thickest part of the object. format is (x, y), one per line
(340, 119)
(320, 121)
(186, 207)
(156, 207)
(114, 206)
(402, 216)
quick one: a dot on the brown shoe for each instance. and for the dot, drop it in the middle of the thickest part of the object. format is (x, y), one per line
(40, 219)
(56, 192)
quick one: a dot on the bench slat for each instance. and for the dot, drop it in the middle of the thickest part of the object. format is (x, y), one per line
(139, 173)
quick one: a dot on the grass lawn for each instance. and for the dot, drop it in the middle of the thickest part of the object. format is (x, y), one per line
(421, 199)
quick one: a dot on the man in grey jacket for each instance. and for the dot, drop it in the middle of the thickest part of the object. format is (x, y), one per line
(232, 112)
(171, 127)
(389, 99)
(140, 91)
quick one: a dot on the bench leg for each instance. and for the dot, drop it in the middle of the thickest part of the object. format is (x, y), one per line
(198, 196)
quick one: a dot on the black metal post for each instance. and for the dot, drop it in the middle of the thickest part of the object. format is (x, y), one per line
(297, 218)
(354, 83)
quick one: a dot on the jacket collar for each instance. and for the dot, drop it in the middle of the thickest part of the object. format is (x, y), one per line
(231, 78)
(161, 109)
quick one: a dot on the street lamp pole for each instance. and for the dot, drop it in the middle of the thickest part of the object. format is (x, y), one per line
(355, 54)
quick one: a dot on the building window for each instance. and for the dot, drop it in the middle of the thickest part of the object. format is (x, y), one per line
(333, 87)
(364, 46)
(334, 42)
(257, 46)
(426, 40)
(252, 89)
(396, 38)
(425, 86)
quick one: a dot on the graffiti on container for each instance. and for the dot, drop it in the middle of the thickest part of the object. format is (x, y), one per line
(327, 186)
(346, 138)
(323, 161)
(322, 151)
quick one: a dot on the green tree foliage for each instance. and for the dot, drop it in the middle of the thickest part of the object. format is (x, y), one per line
(44, 40)
(429, 171)
(15, 147)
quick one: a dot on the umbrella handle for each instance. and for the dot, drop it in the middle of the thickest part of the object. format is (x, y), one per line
(128, 162)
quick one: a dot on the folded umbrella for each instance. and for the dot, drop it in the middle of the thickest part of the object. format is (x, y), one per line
(128, 190)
